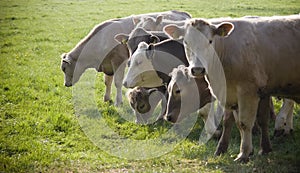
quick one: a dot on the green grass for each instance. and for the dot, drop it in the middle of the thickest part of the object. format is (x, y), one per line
(39, 131)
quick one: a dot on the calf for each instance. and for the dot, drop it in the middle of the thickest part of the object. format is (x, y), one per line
(188, 94)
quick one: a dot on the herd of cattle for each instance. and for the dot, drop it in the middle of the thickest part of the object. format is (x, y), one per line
(188, 64)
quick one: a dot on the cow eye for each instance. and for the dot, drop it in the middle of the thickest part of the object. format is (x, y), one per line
(177, 91)
(210, 41)
(138, 62)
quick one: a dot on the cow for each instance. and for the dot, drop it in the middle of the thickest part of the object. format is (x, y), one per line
(100, 51)
(260, 58)
(188, 94)
(143, 102)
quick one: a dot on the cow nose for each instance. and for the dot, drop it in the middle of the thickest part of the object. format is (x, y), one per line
(68, 84)
(197, 71)
(168, 117)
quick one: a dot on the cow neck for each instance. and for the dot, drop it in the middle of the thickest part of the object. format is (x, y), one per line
(75, 52)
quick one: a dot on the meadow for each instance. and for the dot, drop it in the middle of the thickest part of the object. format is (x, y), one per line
(39, 128)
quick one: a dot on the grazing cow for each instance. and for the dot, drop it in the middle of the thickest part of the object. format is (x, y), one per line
(187, 94)
(100, 51)
(260, 58)
(157, 24)
(143, 101)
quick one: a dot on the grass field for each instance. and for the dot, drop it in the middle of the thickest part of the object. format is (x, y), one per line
(39, 131)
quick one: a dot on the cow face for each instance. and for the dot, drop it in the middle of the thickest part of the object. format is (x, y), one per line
(68, 67)
(141, 71)
(143, 101)
(198, 36)
(186, 94)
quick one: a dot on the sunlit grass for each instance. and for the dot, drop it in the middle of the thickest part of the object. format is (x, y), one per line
(39, 130)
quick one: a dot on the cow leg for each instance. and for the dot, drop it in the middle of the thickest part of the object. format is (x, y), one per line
(107, 81)
(289, 119)
(163, 106)
(228, 121)
(118, 79)
(284, 119)
(263, 116)
(272, 112)
(247, 109)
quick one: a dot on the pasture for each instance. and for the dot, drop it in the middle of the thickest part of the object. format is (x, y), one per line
(39, 130)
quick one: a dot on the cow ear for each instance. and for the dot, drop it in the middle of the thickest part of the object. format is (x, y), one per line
(154, 39)
(150, 91)
(159, 19)
(121, 38)
(224, 29)
(136, 20)
(66, 61)
(174, 31)
(150, 51)
(64, 58)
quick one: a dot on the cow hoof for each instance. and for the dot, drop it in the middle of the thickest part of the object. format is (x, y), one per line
(220, 150)
(242, 159)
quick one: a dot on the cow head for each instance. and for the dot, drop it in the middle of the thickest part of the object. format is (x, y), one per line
(187, 94)
(141, 71)
(68, 67)
(135, 37)
(199, 36)
(143, 102)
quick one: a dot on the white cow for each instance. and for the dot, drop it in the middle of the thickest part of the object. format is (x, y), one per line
(98, 50)
(260, 57)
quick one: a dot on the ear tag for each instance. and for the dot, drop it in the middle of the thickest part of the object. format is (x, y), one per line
(124, 41)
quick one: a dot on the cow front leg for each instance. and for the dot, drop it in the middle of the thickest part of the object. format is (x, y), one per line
(118, 79)
(228, 121)
(107, 81)
(247, 109)
(263, 116)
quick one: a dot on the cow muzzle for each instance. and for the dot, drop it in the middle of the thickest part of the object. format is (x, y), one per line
(67, 84)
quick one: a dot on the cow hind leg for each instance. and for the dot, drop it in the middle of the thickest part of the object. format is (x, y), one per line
(263, 116)
(228, 121)
(107, 81)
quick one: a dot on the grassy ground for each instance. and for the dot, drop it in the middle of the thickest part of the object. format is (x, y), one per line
(39, 131)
